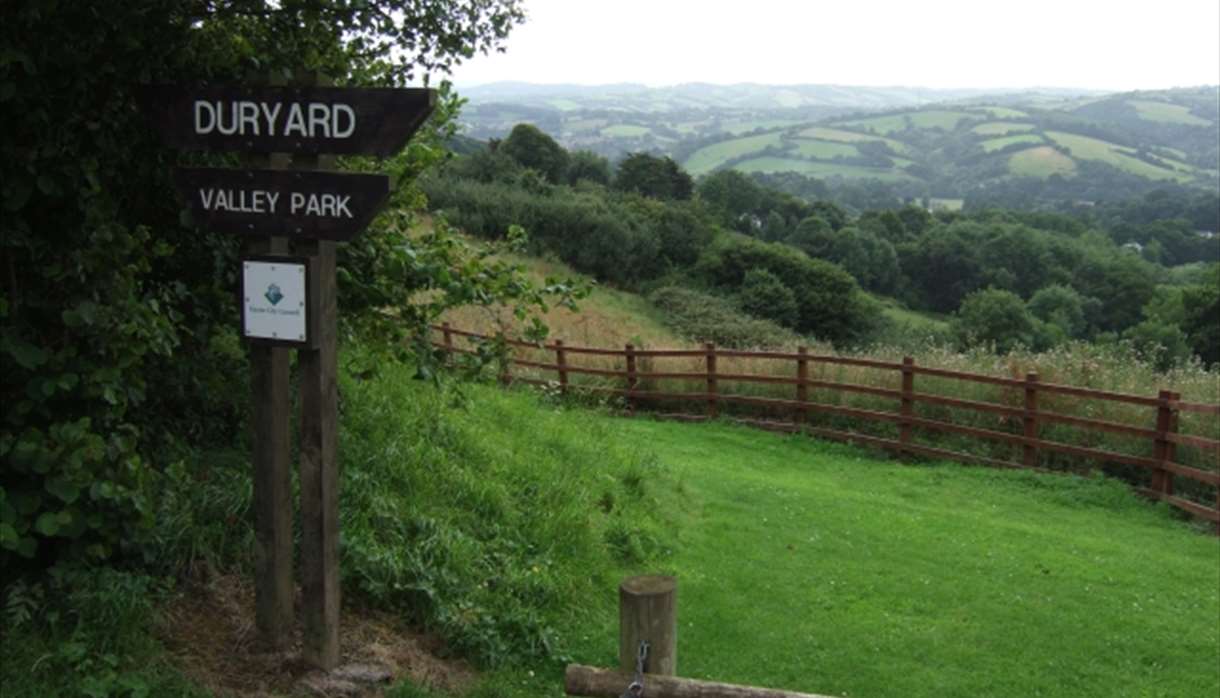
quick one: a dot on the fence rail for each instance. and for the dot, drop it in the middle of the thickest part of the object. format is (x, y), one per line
(1160, 438)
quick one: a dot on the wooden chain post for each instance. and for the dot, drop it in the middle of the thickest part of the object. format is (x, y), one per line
(1030, 451)
(908, 398)
(711, 379)
(631, 379)
(648, 612)
(561, 360)
(802, 385)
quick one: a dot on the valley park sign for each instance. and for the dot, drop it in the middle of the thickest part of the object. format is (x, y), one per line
(294, 211)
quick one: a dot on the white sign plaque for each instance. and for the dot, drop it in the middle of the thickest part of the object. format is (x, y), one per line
(275, 306)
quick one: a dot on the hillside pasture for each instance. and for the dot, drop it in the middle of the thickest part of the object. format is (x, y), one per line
(746, 125)
(819, 169)
(995, 144)
(712, 156)
(625, 131)
(1165, 112)
(1042, 162)
(1087, 148)
(1001, 112)
(1001, 128)
(840, 136)
(825, 150)
(926, 119)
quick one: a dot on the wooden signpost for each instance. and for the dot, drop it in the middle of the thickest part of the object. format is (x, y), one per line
(292, 214)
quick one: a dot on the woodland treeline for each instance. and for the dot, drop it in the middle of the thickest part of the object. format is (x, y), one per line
(1141, 270)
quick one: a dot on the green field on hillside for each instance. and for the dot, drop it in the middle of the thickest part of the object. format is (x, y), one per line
(995, 144)
(745, 126)
(1001, 128)
(928, 119)
(825, 149)
(1087, 148)
(626, 131)
(1001, 112)
(1166, 113)
(841, 136)
(1042, 161)
(709, 157)
(818, 169)
(814, 567)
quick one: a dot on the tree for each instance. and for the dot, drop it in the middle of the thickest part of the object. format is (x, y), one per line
(1201, 322)
(764, 295)
(534, 149)
(993, 316)
(1063, 307)
(589, 166)
(731, 194)
(813, 236)
(112, 309)
(658, 178)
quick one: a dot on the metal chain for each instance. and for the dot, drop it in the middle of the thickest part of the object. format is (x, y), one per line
(635, 689)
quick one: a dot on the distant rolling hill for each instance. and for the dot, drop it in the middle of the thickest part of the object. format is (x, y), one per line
(929, 143)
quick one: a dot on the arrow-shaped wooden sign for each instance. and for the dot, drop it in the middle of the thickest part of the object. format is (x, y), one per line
(289, 203)
(259, 119)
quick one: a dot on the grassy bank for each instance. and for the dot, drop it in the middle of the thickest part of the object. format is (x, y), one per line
(501, 521)
(813, 567)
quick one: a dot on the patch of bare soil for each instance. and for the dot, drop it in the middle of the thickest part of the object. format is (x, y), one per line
(209, 632)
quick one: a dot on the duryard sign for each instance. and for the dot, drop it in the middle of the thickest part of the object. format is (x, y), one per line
(294, 204)
(290, 302)
(246, 118)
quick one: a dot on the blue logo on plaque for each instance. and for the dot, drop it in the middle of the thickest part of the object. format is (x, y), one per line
(273, 294)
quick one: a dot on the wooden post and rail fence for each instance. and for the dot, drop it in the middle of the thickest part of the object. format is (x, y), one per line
(1160, 439)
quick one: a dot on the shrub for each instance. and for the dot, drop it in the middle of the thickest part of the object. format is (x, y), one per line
(830, 304)
(764, 295)
(705, 318)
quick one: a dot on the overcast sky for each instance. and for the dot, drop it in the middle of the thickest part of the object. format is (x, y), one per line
(1103, 44)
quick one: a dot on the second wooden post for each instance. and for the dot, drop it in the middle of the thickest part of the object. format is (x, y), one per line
(648, 612)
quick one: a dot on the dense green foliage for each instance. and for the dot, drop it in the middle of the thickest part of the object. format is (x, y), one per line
(118, 336)
(702, 317)
(1095, 275)
(829, 303)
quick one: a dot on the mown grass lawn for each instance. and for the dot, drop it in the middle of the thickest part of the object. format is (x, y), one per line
(814, 567)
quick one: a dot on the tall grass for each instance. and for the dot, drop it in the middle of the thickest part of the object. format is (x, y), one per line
(481, 516)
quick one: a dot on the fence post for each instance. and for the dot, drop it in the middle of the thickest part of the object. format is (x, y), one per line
(1162, 448)
(711, 379)
(648, 612)
(1031, 419)
(631, 379)
(908, 402)
(448, 334)
(506, 370)
(802, 388)
(1171, 449)
(561, 360)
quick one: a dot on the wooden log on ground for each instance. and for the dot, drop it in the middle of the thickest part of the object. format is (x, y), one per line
(591, 682)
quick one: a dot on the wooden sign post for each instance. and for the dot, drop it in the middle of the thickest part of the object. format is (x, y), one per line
(290, 302)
